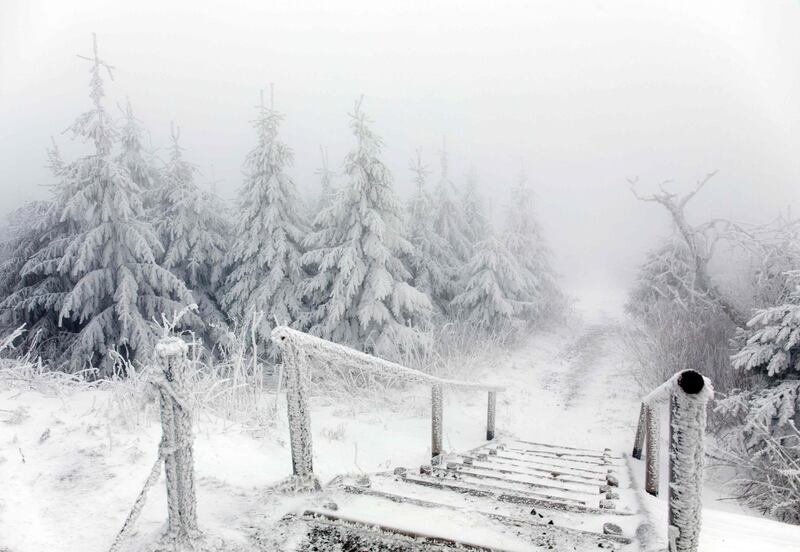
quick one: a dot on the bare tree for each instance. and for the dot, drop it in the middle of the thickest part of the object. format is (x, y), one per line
(700, 241)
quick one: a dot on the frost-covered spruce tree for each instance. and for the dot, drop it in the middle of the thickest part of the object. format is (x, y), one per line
(473, 209)
(449, 220)
(33, 287)
(265, 256)
(431, 257)
(526, 243)
(494, 294)
(192, 227)
(360, 288)
(119, 286)
(134, 158)
(326, 176)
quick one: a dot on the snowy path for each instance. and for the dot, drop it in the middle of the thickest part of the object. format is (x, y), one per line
(568, 386)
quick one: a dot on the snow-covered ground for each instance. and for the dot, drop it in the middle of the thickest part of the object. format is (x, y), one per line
(72, 462)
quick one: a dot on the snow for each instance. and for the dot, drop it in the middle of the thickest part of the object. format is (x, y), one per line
(73, 460)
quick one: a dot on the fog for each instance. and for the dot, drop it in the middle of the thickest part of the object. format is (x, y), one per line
(584, 94)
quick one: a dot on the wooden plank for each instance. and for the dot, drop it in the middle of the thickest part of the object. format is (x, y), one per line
(510, 521)
(549, 475)
(467, 470)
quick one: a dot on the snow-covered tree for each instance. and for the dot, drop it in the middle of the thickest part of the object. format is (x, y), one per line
(360, 288)
(265, 256)
(473, 209)
(119, 287)
(495, 291)
(431, 259)
(326, 176)
(134, 158)
(192, 227)
(449, 219)
(33, 287)
(526, 243)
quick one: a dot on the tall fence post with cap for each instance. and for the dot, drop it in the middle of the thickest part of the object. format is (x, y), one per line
(687, 425)
(688, 393)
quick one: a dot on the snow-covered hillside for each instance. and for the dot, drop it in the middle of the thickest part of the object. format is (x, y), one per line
(74, 458)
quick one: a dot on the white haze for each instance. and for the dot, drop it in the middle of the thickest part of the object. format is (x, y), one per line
(585, 94)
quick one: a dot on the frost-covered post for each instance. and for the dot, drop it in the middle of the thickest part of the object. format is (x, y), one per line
(638, 443)
(298, 414)
(653, 450)
(687, 424)
(176, 424)
(436, 421)
(490, 415)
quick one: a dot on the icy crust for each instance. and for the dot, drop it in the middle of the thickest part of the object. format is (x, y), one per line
(327, 352)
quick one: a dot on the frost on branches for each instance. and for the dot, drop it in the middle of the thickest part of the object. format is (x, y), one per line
(360, 289)
(192, 228)
(431, 258)
(133, 157)
(111, 257)
(765, 445)
(267, 272)
(525, 241)
(495, 296)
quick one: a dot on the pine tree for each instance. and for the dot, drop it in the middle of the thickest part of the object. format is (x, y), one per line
(361, 287)
(192, 226)
(473, 209)
(449, 220)
(495, 289)
(33, 287)
(267, 272)
(134, 158)
(326, 176)
(431, 258)
(526, 243)
(119, 286)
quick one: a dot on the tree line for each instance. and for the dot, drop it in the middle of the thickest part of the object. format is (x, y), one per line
(126, 239)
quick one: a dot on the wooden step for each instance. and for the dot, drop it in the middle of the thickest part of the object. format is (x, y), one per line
(533, 523)
(606, 452)
(478, 471)
(329, 532)
(549, 467)
(508, 495)
(552, 476)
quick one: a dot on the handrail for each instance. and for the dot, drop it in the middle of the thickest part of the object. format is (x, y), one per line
(295, 345)
(688, 393)
(333, 352)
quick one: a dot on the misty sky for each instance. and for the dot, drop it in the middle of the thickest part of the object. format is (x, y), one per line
(584, 93)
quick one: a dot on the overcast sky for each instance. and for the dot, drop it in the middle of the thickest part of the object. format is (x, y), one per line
(585, 93)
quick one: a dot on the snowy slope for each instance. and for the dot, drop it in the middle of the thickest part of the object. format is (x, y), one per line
(72, 462)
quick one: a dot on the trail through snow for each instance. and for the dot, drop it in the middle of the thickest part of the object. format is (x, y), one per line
(71, 491)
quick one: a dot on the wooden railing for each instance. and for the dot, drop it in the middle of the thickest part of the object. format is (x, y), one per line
(298, 349)
(688, 393)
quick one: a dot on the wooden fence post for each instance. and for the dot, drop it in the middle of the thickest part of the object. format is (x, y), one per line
(298, 414)
(176, 424)
(687, 432)
(653, 460)
(436, 421)
(638, 443)
(490, 415)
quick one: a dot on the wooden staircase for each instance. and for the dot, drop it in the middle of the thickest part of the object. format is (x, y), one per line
(509, 496)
